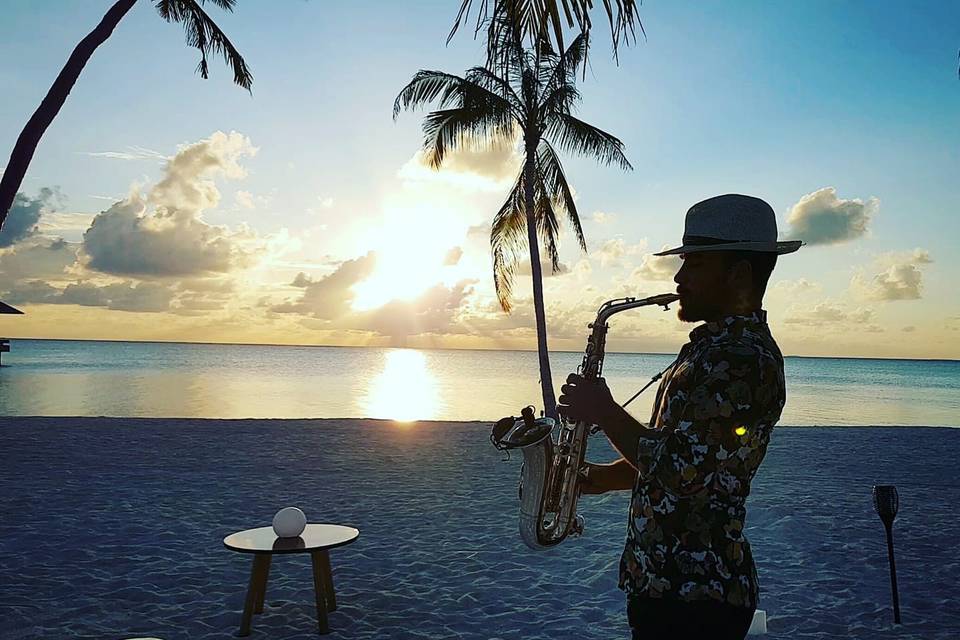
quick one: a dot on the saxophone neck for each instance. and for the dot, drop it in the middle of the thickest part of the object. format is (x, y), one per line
(622, 304)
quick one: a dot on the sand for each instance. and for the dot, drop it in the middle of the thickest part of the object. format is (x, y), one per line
(113, 528)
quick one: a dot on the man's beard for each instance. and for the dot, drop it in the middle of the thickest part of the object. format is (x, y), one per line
(695, 310)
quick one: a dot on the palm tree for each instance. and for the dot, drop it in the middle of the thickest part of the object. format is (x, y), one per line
(536, 19)
(202, 33)
(532, 93)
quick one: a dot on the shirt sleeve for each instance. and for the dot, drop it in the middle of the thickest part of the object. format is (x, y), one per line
(711, 420)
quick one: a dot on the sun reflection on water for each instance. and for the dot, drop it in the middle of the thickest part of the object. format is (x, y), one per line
(405, 390)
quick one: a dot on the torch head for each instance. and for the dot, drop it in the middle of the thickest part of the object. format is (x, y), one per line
(886, 501)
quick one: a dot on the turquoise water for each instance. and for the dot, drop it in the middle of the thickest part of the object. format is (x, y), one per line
(53, 377)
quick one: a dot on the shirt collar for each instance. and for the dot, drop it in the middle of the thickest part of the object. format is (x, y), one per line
(728, 324)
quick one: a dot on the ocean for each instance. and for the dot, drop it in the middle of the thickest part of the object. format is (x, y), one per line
(149, 379)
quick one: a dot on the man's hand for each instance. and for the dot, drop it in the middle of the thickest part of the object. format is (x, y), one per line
(589, 401)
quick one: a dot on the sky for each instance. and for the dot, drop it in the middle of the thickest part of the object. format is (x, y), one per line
(161, 206)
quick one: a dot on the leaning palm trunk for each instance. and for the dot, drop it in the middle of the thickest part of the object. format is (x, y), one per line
(29, 138)
(536, 271)
(202, 33)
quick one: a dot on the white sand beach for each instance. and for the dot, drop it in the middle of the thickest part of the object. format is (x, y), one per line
(112, 528)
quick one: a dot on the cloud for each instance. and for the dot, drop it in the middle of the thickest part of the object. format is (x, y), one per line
(657, 268)
(301, 280)
(43, 258)
(120, 296)
(453, 257)
(22, 219)
(330, 296)
(125, 240)
(901, 277)
(829, 312)
(186, 187)
(436, 310)
(546, 268)
(132, 153)
(823, 218)
(612, 252)
(172, 240)
(602, 217)
(245, 199)
(477, 168)
(793, 288)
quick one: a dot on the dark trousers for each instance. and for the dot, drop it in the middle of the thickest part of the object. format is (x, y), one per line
(662, 619)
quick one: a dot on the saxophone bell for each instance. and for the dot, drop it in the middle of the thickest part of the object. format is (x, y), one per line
(525, 431)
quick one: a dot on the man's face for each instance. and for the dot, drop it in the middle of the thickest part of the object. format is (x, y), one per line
(703, 286)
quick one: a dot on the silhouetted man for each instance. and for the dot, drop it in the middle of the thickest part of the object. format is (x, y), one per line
(686, 567)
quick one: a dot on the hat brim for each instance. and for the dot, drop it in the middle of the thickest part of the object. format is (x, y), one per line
(779, 248)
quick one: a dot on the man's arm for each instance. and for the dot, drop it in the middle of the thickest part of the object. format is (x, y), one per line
(612, 476)
(627, 434)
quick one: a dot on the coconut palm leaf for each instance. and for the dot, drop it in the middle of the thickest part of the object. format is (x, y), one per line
(450, 129)
(426, 87)
(547, 225)
(203, 34)
(555, 183)
(507, 240)
(576, 136)
(545, 18)
(483, 77)
(564, 72)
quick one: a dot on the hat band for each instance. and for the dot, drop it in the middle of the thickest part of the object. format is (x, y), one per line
(705, 240)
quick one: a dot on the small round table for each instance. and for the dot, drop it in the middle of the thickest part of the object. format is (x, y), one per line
(316, 539)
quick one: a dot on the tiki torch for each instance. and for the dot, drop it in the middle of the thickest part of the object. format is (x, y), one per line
(885, 502)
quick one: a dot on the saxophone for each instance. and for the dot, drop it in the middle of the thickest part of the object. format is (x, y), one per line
(552, 471)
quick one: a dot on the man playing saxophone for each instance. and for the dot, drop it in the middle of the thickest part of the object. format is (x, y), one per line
(686, 567)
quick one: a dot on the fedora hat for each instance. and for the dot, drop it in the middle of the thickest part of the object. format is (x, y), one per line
(732, 222)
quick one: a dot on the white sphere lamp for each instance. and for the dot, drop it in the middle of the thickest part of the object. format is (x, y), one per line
(289, 522)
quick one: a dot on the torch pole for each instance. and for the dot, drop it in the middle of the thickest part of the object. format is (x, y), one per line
(893, 574)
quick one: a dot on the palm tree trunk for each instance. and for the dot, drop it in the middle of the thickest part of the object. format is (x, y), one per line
(546, 380)
(30, 136)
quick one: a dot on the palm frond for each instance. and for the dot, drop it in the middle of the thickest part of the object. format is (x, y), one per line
(564, 70)
(537, 18)
(555, 184)
(560, 100)
(426, 87)
(548, 226)
(226, 5)
(203, 34)
(483, 77)
(448, 129)
(507, 240)
(576, 136)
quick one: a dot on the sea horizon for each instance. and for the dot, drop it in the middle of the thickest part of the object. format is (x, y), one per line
(167, 379)
(366, 346)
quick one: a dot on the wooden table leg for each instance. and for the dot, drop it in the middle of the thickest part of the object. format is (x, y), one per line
(262, 587)
(261, 562)
(328, 580)
(320, 591)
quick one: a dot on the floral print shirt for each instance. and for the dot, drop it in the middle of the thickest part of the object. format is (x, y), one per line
(718, 402)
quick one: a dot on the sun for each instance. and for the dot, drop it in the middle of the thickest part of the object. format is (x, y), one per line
(410, 249)
(397, 277)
